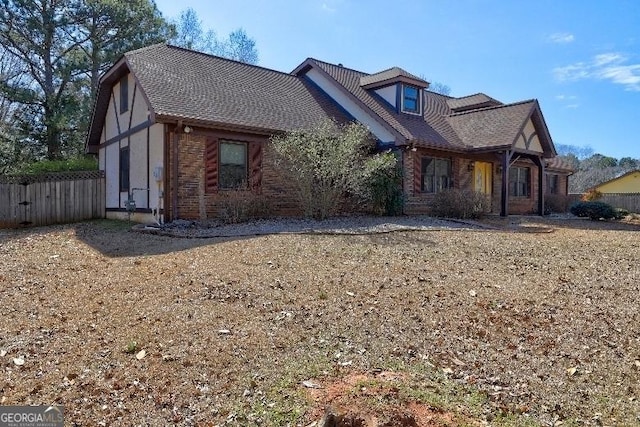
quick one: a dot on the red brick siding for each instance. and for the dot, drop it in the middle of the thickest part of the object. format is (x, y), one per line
(198, 195)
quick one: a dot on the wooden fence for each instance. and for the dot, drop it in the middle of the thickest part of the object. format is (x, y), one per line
(628, 201)
(52, 198)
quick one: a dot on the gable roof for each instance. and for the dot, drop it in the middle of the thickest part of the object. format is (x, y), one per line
(476, 122)
(559, 164)
(478, 100)
(181, 84)
(619, 177)
(407, 127)
(391, 75)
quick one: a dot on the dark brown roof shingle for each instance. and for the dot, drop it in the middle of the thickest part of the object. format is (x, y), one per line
(192, 85)
(189, 85)
(371, 80)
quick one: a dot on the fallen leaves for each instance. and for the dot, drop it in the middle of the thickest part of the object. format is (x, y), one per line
(235, 333)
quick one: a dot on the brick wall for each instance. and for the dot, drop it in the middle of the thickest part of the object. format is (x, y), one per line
(275, 196)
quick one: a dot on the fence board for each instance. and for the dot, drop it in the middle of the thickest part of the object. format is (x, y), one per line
(54, 198)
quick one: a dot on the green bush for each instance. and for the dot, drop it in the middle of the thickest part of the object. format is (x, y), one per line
(594, 210)
(83, 163)
(463, 204)
(386, 192)
(621, 213)
(327, 162)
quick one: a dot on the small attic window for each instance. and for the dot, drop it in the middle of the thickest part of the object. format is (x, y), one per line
(410, 99)
(124, 94)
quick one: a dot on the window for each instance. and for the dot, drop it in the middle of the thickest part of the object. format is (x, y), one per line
(124, 169)
(436, 175)
(233, 165)
(552, 183)
(519, 182)
(410, 99)
(124, 94)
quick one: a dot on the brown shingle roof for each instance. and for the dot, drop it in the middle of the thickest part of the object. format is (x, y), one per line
(559, 164)
(392, 74)
(491, 127)
(188, 85)
(477, 100)
(409, 127)
(193, 85)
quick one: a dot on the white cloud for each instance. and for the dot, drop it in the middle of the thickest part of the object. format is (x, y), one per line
(561, 38)
(328, 8)
(611, 66)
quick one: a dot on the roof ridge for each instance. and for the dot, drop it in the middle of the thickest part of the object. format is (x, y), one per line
(473, 94)
(440, 94)
(210, 55)
(338, 66)
(492, 107)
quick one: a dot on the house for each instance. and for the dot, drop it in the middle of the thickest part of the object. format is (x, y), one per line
(626, 183)
(177, 131)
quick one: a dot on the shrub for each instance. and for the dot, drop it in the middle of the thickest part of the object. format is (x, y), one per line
(593, 210)
(463, 204)
(238, 206)
(621, 213)
(591, 195)
(82, 163)
(326, 162)
(386, 192)
(556, 203)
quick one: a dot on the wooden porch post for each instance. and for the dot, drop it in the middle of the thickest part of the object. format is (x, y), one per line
(504, 199)
(540, 163)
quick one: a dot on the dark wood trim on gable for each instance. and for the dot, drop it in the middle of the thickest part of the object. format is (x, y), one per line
(115, 110)
(304, 67)
(126, 134)
(133, 105)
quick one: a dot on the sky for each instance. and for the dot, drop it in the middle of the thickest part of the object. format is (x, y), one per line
(579, 58)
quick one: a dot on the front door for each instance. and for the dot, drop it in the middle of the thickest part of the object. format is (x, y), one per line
(483, 179)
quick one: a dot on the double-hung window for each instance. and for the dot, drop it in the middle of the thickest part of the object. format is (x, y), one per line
(520, 181)
(410, 99)
(233, 165)
(436, 174)
(552, 183)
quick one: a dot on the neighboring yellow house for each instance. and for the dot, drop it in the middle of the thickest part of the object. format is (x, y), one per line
(627, 183)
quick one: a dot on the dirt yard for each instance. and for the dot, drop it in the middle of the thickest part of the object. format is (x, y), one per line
(533, 323)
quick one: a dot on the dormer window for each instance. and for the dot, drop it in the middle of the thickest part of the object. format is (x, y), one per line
(410, 99)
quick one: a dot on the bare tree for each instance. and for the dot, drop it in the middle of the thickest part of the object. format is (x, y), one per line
(190, 34)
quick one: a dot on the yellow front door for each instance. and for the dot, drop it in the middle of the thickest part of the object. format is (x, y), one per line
(482, 178)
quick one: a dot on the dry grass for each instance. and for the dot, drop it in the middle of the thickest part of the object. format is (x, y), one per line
(518, 328)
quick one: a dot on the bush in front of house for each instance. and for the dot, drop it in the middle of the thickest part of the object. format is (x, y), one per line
(386, 191)
(594, 210)
(327, 162)
(240, 205)
(462, 204)
(556, 203)
(621, 213)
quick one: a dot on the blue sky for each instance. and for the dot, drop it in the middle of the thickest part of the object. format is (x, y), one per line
(579, 58)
